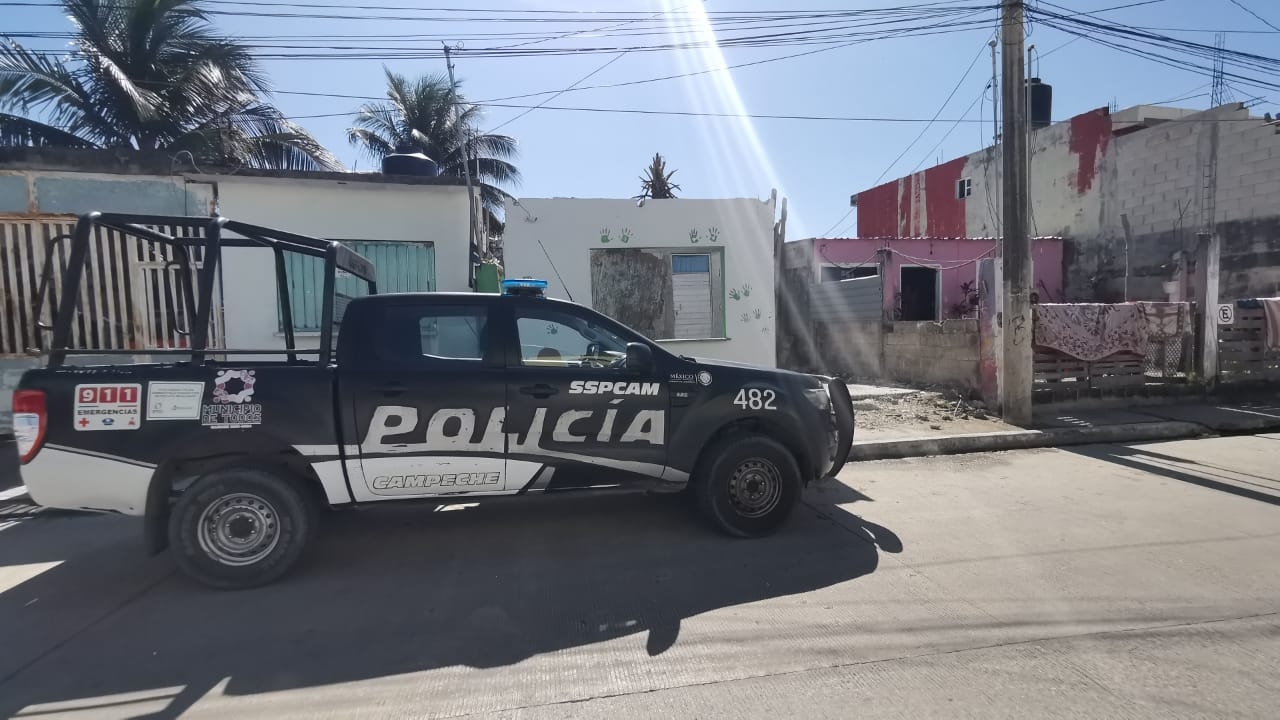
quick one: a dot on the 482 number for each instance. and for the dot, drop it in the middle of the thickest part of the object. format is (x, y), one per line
(755, 399)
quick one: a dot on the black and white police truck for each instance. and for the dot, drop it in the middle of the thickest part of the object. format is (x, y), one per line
(228, 454)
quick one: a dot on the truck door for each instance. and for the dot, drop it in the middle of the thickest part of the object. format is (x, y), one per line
(589, 423)
(429, 399)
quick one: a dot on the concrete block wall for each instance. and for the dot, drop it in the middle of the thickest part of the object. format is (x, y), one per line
(1158, 177)
(851, 348)
(945, 353)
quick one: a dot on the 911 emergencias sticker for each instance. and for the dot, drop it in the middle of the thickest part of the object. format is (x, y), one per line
(108, 407)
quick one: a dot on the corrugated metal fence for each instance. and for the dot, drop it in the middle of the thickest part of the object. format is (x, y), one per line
(847, 300)
(129, 297)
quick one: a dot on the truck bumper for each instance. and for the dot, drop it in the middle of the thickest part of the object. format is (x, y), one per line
(74, 480)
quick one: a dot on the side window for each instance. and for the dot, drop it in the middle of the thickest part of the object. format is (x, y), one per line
(421, 334)
(558, 339)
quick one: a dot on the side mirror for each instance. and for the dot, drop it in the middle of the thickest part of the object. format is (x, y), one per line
(639, 358)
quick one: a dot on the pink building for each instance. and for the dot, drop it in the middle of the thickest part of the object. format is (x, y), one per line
(923, 278)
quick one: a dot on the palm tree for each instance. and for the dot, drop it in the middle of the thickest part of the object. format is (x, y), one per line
(429, 115)
(656, 182)
(150, 75)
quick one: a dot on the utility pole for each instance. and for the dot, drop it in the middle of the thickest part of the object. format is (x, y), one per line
(473, 249)
(995, 98)
(1016, 310)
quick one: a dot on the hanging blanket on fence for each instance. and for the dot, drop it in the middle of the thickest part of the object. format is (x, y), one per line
(1166, 321)
(1090, 331)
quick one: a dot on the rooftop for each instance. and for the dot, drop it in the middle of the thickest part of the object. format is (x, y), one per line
(132, 162)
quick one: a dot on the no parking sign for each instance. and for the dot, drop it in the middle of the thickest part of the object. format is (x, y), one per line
(1227, 314)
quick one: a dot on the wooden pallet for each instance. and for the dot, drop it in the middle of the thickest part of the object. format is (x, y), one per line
(1118, 370)
(1242, 350)
(1053, 366)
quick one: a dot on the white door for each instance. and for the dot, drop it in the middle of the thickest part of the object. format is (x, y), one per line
(691, 290)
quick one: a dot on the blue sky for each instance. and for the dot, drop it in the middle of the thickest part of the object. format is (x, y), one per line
(816, 164)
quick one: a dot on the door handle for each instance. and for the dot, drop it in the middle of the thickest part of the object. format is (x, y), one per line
(392, 388)
(539, 391)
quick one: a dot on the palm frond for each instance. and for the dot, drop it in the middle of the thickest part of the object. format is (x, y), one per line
(498, 146)
(29, 81)
(373, 144)
(154, 74)
(495, 170)
(18, 131)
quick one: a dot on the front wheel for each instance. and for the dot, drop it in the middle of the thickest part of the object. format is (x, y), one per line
(239, 528)
(748, 485)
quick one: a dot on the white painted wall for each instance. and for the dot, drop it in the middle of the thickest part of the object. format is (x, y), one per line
(353, 210)
(569, 228)
(1058, 208)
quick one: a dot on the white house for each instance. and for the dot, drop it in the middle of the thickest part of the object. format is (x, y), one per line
(414, 230)
(696, 275)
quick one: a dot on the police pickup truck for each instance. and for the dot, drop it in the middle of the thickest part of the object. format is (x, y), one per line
(229, 454)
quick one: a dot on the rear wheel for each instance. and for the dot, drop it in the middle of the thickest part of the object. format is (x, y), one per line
(748, 485)
(240, 528)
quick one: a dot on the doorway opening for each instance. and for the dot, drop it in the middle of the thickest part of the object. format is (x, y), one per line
(919, 290)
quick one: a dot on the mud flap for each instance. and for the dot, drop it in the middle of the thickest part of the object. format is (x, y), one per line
(842, 406)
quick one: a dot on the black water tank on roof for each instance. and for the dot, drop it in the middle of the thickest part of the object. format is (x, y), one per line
(1040, 102)
(406, 160)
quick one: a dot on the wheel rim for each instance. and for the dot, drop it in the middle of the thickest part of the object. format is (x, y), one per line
(755, 488)
(239, 529)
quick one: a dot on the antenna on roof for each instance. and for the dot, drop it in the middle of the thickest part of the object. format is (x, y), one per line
(1220, 94)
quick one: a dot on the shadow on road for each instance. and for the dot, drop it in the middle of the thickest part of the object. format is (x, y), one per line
(1245, 485)
(399, 590)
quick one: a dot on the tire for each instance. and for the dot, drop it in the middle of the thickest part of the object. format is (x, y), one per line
(239, 528)
(747, 485)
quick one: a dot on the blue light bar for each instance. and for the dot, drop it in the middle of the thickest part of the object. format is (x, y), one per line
(524, 286)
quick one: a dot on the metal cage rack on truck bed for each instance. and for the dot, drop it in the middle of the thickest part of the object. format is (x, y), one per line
(210, 235)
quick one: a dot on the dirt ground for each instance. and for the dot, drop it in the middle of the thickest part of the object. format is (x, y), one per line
(903, 413)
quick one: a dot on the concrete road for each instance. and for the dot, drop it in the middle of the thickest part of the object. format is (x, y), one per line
(1104, 581)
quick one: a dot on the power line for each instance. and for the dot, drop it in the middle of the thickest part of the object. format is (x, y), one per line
(842, 218)
(575, 84)
(683, 113)
(954, 125)
(1098, 32)
(374, 52)
(1264, 21)
(945, 103)
(707, 71)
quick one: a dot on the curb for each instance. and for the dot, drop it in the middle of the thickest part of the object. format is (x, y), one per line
(1023, 440)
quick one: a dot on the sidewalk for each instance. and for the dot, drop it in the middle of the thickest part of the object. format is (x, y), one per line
(929, 424)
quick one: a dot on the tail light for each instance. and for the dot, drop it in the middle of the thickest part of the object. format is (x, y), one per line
(30, 419)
